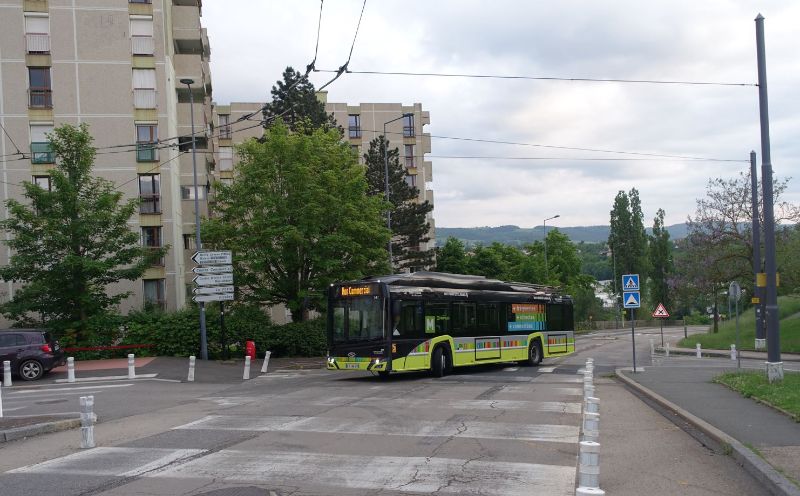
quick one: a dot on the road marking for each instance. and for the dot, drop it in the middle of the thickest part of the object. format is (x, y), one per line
(108, 461)
(388, 473)
(557, 378)
(432, 404)
(391, 427)
(109, 378)
(64, 390)
(510, 369)
(546, 370)
(569, 391)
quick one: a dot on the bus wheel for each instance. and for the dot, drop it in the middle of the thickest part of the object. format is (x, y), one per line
(534, 354)
(439, 362)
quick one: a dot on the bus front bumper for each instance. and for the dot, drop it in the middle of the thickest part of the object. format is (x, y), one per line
(347, 363)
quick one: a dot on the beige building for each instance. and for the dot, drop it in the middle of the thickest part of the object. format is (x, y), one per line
(118, 67)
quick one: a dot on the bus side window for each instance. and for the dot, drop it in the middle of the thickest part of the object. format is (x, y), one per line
(488, 317)
(410, 319)
(463, 317)
(555, 318)
(437, 318)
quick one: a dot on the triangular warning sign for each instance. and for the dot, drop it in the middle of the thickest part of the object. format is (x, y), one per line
(660, 312)
(631, 300)
(630, 284)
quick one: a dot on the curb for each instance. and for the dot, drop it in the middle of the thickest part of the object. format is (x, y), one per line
(36, 429)
(765, 473)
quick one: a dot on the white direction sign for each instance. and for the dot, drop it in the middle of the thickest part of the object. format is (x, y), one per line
(213, 290)
(630, 282)
(213, 297)
(212, 257)
(660, 312)
(213, 269)
(213, 279)
(631, 299)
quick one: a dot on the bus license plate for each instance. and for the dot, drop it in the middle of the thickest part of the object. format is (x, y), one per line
(351, 365)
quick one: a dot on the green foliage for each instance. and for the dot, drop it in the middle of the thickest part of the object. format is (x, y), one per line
(751, 384)
(627, 238)
(295, 103)
(595, 261)
(452, 257)
(297, 218)
(409, 225)
(305, 339)
(70, 244)
(661, 265)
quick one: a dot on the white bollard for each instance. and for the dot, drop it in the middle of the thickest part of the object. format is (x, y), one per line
(733, 352)
(87, 422)
(266, 362)
(589, 465)
(1, 402)
(589, 491)
(592, 405)
(588, 391)
(667, 349)
(246, 375)
(192, 360)
(652, 348)
(591, 426)
(70, 369)
(698, 349)
(131, 366)
(6, 373)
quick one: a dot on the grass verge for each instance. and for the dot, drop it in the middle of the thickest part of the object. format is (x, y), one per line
(753, 384)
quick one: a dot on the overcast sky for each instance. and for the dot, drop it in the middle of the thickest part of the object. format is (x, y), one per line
(252, 41)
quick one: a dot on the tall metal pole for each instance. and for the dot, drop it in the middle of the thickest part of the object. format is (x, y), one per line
(546, 268)
(198, 241)
(386, 184)
(774, 364)
(757, 291)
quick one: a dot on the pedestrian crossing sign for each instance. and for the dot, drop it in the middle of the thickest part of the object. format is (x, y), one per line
(660, 312)
(630, 282)
(631, 299)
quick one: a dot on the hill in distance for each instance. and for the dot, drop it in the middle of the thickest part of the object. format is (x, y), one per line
(515, 235)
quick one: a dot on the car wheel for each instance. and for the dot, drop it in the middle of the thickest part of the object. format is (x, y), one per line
(439, 362)
(31, 370)
(535, 354)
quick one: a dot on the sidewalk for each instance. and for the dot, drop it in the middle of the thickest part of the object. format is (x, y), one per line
(764, 441)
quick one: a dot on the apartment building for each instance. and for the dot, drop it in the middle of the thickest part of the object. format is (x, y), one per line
(122, 67)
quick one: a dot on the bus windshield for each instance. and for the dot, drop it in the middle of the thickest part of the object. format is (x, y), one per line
(358, 319)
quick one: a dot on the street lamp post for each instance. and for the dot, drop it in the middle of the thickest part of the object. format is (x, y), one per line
(203, 341)
(386, 182)
(544, 224)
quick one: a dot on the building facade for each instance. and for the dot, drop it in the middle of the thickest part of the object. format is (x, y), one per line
(117, 66)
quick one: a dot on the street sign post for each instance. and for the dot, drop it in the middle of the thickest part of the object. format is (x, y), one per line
(661, 313)
(213, 290)
(631, 298)
(213, 279)
(630, 282)
(212, 257)
(735, 293)
(213, 297)
(213, 269)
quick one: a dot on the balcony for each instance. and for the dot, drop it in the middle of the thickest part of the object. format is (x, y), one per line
(142, 45)
(37, 43)
(41, 153)
(186, 29)
(354, 131)
(146, 152)
(188, 66)
(150, 203)
(144, 98)
(157, 262)
(40, 98)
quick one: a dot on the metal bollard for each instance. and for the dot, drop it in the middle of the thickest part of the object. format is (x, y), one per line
(70, 369)
(192, 360)
(131, 366)
(698, 349)
(1, 402)
(87, 422)
(666, 349)
(589, 465)
(591, 426)
(266, 362)
(6, 373)
(733, 352)
(246, 375)
(592, 405)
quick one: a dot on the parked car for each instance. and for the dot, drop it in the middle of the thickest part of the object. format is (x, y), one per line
(32, 352)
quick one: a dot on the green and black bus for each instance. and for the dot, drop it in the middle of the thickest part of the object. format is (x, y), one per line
(436, 321)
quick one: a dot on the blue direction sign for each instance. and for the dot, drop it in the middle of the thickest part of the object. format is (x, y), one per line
(631, 299)
(630, 282)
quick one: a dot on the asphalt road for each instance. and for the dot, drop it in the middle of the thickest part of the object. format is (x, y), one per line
(492, 430)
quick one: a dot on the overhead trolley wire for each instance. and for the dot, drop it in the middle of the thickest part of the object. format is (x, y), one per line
(344, 67)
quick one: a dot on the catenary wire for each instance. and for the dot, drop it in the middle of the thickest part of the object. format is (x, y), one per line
(344, 67)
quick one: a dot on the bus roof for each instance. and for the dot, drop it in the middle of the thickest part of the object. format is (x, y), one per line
(443, 280)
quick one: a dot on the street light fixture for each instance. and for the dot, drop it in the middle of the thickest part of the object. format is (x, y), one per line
(544, 224)
(386, 182)
(198, 242)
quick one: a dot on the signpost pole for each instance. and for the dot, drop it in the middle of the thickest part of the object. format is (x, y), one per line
(633, 338)
(662, 332)
(222, 330)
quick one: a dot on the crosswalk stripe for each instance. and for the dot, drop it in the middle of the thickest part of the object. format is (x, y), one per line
(110, 461)
(432, 404)
(389, 473)
(395, 427)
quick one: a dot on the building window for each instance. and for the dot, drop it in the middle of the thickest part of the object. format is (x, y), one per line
(144, 88)
(41, 93)
(151, 238)
(41, 153)
(187, 192)
(37, 33)
(189, 242)
(43, 182)
(225, 126)
(409, 149)
(411, 180)
(154, 290)
(150, 193)
(142, 36)
(146, 142)
(408, 126)
(225, 158)
(354, 125)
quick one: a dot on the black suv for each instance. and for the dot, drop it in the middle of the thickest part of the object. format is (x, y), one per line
(32, 352)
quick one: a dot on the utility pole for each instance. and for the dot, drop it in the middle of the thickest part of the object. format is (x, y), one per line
(758, 293)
